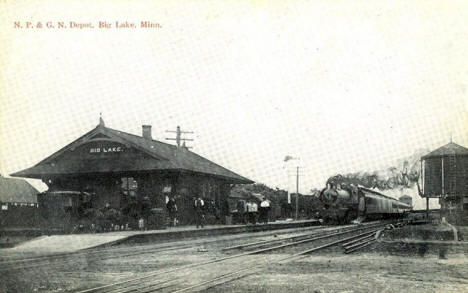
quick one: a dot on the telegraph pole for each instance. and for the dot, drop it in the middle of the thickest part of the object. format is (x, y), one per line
(288, 158)
(297, 191)
(179, 138)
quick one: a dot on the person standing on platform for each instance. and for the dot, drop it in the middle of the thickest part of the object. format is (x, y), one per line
(172, 211)
(141, 224)
(264, 210)
(252, 209)
(241, 207)
(199, 206)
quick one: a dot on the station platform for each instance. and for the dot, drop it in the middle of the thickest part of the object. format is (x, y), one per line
(59, 244)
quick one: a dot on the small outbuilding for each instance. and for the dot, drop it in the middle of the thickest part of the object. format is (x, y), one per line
(18, 203)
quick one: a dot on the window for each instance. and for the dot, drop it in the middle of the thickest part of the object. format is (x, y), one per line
(129, 186)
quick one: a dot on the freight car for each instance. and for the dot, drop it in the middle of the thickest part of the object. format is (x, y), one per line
(343, 203)
(61, 211)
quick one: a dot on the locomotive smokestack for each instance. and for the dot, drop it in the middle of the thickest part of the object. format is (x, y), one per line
(146, 131)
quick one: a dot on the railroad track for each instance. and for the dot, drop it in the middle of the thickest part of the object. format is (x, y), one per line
(63, 259)
(174, 279)
(366, 240)
(299, 238)
(100, 254)
(359, 243)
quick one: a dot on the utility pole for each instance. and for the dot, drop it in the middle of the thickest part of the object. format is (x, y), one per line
(297, 191)
(179, 138)
(288, 158)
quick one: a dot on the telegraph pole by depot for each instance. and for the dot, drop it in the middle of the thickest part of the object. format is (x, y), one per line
(297, 191)
(179, 138)
(288, 158)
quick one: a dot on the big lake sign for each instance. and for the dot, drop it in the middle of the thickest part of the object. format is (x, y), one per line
(110, 149)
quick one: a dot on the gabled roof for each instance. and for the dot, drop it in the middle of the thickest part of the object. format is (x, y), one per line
(161, 156)
(449, 149)
(17, 190)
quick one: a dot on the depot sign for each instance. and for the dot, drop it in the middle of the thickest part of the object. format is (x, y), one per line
(110, 149)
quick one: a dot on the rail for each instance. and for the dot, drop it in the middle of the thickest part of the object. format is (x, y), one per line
(147, 283)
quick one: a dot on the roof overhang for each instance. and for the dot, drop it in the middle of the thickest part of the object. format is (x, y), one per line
(30, 173)
(133, 154)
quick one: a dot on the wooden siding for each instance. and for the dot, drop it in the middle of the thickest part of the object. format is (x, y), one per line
(455, 181)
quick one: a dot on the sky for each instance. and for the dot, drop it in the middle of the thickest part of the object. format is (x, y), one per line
(343, 86)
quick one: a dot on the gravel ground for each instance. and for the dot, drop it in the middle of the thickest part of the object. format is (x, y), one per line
(367, 272)
(89, 270)
(328, 271)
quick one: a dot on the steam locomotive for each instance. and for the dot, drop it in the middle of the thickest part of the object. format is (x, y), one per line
(342, 203)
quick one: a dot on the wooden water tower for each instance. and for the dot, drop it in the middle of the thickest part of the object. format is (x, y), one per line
(445, 176)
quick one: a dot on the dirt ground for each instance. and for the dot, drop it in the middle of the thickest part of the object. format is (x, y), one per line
(370, 270)
(90, 270)
(378, 268)
(365, 272)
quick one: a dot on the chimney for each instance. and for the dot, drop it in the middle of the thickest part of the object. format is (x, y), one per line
(146, 131)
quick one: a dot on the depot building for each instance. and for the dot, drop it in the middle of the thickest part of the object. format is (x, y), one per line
(119, 169)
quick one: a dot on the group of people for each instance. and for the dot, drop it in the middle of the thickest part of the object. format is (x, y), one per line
(251, 212)
(199, 211)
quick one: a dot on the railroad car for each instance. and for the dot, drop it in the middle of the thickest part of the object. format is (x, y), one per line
(61, 211)
(343, 203)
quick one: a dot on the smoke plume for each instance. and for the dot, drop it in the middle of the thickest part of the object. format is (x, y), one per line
(403, 174)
